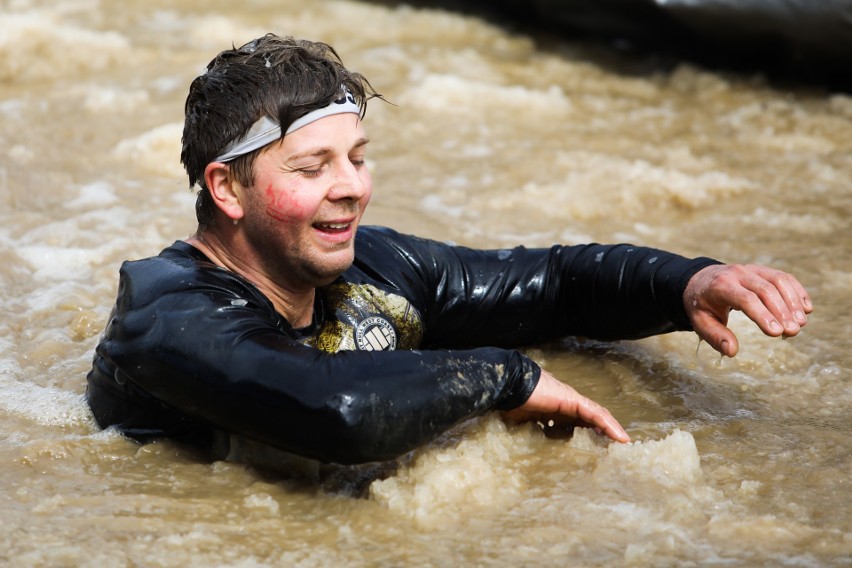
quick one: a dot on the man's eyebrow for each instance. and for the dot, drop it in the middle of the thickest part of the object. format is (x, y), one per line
(323, 150)
(312, 153)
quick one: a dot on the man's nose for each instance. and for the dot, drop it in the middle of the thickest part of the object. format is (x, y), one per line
(348, 183)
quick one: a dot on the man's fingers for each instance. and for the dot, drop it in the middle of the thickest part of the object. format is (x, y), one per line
(715, 333)
(796, 300)
(774, 302)
(596, 415)
(765, 308)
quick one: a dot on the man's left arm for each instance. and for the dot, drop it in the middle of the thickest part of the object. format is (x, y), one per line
(521, 296)
(524, 296)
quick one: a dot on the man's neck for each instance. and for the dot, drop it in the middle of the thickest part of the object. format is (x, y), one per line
(296, 305)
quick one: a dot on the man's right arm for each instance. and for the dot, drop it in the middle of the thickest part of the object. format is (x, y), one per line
(217, 358)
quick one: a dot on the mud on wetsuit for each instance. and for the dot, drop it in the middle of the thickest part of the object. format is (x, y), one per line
(415, 337)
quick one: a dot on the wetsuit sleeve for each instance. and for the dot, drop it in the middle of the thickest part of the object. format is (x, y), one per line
(524, 296)
(213, 353)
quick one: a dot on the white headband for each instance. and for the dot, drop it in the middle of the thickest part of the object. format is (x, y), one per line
(266, 130)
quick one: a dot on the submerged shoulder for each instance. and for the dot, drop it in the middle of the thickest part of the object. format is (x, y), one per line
(178, 268)
(178, 261)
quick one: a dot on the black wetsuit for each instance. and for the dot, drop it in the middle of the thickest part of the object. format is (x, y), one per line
(415, 337)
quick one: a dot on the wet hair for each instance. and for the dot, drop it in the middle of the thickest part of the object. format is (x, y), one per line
(280, 77)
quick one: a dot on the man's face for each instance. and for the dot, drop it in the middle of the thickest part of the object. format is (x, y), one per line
(309, 193)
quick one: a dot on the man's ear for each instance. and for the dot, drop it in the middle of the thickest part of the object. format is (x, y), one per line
(227, 193)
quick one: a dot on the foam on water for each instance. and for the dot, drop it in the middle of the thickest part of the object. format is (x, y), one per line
(591, 186)
(60, 48)
(451, 94)
(157, 150)
(654, 491)
(100, 98)
(208, 29)
(95, 194)
(672, 463)
(443, 484)
(482, 472)
(46, 406)
(59, 263)
(803, 223)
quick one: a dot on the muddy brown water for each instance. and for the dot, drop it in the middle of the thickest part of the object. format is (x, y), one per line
(494, 141)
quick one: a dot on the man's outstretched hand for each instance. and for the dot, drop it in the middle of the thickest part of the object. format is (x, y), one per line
(554, 400)
(774, 300)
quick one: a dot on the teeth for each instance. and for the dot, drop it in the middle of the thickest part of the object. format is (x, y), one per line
(334, 225)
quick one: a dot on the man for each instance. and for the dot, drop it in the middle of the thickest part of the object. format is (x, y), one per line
(282, 322)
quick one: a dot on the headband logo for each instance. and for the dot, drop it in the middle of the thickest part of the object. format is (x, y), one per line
(346, 98)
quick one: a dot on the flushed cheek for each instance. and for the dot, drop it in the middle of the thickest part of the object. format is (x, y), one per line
(282, 205)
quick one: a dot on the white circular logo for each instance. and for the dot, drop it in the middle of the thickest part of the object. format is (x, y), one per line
(375, 334)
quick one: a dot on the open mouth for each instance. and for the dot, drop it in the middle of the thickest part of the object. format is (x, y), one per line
(332, 227)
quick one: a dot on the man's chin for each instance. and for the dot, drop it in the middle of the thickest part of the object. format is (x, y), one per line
(328, 274)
